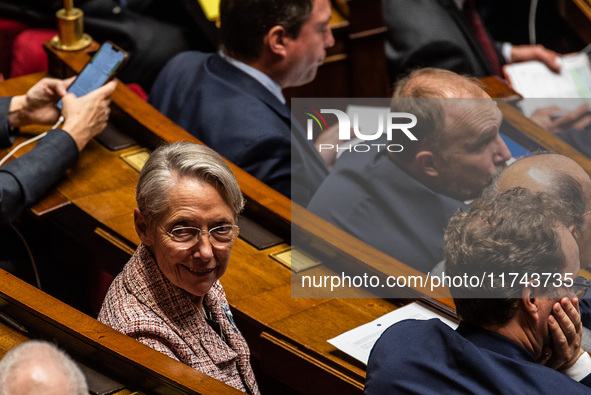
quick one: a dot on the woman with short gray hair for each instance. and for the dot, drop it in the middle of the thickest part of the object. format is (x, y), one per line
(168, 296)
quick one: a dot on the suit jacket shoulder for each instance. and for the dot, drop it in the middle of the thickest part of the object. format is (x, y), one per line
(426, 357)
(372, 198)
(235, 115)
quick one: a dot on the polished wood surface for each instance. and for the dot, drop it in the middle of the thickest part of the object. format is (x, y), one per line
(94, 344)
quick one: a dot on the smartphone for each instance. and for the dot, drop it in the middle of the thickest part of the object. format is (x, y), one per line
(102, 67)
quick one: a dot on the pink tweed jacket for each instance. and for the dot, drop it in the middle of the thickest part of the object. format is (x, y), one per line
(143, 304)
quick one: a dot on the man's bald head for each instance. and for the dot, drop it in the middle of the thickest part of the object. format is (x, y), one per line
(432, 83)
(458, 149)
(561, 177)
(37, 367)
(538, 173)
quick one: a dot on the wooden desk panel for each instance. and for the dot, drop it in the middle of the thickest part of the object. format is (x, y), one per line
(95, 344)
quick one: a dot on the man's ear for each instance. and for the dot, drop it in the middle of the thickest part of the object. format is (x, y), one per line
(530, 301)
(141, 227)
(425, 163)
(276, 40)
(575, 231)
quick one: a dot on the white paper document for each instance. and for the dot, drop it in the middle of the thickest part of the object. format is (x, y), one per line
(358, 342)
(533, 80)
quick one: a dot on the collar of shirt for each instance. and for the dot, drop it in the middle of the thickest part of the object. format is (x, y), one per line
(258, 75)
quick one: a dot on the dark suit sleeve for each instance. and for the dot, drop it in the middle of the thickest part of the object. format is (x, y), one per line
(25, 179)
(430, 33)
(586, 381)
(6, 134)
(267, 158)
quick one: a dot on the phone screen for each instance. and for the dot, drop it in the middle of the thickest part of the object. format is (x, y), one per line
(97, 71)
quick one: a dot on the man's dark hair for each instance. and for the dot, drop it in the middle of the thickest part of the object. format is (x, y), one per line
(244, 23)
(510, 234)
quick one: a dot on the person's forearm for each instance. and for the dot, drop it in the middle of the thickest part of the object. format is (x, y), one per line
(15, 111)
(26, 178)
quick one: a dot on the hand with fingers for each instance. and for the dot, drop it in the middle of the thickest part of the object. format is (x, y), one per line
(565, 330)
(38, 104)
(87, 116)
(554, 119)
(525, 53)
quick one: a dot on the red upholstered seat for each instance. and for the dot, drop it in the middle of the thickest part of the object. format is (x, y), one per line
(28, 55)
(138, 90)
(22, 53)
(8, 31)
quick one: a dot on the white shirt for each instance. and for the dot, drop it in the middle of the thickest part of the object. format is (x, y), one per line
(258, 75)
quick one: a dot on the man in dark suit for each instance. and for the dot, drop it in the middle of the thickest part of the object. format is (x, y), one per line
(400, 202)
(449, 34)
(233, 101)
(509, 329)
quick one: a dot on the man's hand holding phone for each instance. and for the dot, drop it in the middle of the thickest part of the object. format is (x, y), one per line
(87, 116)
(37, 106)
(83, 100)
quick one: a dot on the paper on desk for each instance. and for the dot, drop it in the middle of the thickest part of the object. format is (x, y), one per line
(358, 342)
(534, 80)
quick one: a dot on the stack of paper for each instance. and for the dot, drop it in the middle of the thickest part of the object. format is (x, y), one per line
(358, 342)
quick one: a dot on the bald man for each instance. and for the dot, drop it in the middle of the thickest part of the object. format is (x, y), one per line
(38, 367)
(553, 174)
(549, 173)
(400, 202)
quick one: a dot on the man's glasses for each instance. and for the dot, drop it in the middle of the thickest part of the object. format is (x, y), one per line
(580, 286)
(188, 236)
